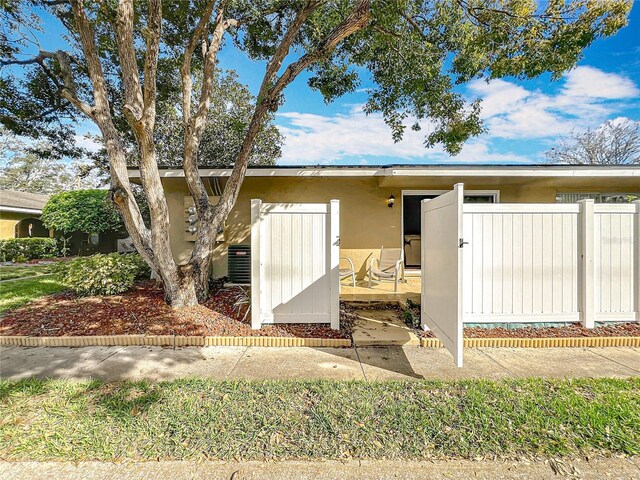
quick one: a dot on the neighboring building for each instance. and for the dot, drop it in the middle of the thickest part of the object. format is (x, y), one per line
(367, 222)
(20, 214)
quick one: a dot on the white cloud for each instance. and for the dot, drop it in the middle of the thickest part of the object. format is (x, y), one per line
(587, 97)
(584, 98)
(88, 142)
(356, 137)
(590, 82)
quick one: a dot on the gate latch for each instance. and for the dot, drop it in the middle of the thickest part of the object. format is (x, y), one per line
(462, 243)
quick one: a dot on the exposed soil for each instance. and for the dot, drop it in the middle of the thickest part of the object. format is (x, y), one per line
(143, 311)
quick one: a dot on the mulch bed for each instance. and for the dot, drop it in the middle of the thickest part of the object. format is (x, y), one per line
(144, 311)
(567, 331)
(571, 330)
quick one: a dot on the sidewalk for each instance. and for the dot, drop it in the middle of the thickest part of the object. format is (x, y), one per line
(372, 363)
(595, 468)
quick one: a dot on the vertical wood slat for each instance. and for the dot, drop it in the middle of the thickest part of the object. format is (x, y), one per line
(588, 266)
(635, 260)
(256, 297)
(553, 261)
(616, 260)
(295, 263)
(521, 262)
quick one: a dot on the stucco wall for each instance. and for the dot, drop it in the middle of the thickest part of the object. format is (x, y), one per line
(366, 222)
(8, 222)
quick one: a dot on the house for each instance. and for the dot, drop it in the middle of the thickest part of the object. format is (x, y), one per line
(20, 214)
(380, 205)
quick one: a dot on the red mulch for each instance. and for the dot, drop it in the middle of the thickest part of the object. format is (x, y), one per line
(566, 331)
(572, 330)
(143, 311)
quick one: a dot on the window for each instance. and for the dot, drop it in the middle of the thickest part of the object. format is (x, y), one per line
(598, 197)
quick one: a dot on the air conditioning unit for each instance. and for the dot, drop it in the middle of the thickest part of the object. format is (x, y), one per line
(239, 264)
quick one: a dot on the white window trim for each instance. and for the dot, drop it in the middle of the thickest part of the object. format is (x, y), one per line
(471, 193)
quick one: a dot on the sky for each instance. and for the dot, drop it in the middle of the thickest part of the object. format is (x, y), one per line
(523, 119)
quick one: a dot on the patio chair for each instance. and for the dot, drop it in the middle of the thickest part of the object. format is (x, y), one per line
(390, 265)
(349, 271)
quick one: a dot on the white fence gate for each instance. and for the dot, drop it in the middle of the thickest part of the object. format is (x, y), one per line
(441, 223)
(295, 253)
(536, 263)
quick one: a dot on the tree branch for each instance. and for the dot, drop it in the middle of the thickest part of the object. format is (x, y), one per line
(185, 69)
(357, 19)
(194, 126)
(133, 103)
(120, 185)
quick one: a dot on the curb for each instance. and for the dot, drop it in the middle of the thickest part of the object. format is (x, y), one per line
(540, 342)
(171, 341)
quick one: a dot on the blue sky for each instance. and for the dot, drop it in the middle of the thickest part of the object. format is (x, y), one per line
(523, 118)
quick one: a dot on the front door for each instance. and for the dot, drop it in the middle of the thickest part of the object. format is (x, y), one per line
(442, 242)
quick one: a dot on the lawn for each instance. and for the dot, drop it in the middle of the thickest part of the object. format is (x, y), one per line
(192, 419)
(19, 292)
(8, 272)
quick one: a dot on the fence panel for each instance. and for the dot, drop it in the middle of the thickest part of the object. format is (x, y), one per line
(523, 263)
(295, 254)
(615, 255)
(552, 262)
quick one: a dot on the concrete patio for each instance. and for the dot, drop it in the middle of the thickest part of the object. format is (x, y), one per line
(380, 291)
(359, 363)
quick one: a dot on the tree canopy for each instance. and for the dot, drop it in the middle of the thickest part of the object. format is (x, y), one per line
(616, 142)
(27, 168)
(125, 60)
(87, 211)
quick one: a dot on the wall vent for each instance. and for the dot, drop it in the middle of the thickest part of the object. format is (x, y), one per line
(239, 264)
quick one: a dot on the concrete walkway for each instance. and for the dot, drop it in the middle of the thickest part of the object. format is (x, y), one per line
(372, 363)
(373, 328)
(595, 468)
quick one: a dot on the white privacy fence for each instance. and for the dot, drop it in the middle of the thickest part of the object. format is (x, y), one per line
(616, 262)
(295, 252)
(551, 262)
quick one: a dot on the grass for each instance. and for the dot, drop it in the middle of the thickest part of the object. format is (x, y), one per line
(16, 293)
(193, 419)
(9, 272)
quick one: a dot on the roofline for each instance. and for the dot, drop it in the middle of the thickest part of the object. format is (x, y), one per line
(32, 211)
(415, 171)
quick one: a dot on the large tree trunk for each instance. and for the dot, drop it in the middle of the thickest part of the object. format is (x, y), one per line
(184, 285)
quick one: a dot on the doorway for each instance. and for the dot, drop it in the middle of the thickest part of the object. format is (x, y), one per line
(411, 234)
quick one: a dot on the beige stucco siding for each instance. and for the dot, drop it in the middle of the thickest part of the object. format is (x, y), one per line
(366, 222)
(8, 222)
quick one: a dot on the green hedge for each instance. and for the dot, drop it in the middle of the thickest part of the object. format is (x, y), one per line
(103, 274)
(23, 249)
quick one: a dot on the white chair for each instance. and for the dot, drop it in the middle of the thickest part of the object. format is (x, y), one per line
(349, 271)
(390, 265)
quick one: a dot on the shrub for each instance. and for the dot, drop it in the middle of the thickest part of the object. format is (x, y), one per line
(23, 249)
(88, 211)
(103, 274)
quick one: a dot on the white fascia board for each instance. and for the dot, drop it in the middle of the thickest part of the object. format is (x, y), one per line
(271, 172)
(30, 211)
(539, 171)
(515, 172)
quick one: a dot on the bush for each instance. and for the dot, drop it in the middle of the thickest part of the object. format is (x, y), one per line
(103, 274)
(87, 211)
(23, 249)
